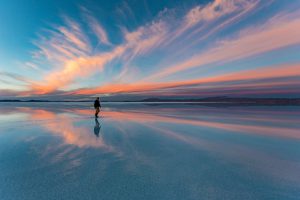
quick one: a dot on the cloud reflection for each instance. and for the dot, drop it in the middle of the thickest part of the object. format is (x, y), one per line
(138, 135)
(65, 126)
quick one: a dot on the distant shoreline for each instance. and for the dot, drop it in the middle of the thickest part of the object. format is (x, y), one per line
(203, 101)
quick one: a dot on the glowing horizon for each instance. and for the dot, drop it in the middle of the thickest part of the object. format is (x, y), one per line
(208, 48)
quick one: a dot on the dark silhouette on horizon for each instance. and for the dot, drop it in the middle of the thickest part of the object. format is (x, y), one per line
(97, 106)
(233, 101)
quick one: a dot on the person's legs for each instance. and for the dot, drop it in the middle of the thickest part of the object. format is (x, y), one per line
(97, 111)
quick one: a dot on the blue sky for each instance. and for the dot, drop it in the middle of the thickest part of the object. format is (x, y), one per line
(78, 49)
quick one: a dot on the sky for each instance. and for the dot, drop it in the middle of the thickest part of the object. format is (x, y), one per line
(135, 49)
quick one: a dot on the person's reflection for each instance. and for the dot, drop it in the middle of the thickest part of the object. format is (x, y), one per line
(97, 128)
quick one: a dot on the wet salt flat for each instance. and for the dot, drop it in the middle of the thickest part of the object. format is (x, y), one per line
(137, 151)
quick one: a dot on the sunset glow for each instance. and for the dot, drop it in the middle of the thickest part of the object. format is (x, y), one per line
(126, 50)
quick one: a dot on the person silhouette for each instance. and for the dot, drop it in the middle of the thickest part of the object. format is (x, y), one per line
(97, 128)
(97, 106)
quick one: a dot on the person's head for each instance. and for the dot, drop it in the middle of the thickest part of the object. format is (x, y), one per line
(97, 98)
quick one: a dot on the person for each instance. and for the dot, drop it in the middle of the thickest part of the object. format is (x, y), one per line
(97, 106)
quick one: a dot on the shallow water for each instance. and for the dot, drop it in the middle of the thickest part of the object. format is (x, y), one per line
(137, 151)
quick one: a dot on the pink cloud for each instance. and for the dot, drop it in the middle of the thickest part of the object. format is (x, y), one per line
(256, 74)
(70, 56)
(277, 34)
(75, 65)
(98, 30)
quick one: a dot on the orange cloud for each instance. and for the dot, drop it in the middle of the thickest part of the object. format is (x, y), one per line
(256, 74)
(74, 55)
(71, 42)
(69, 52)
(80, 67)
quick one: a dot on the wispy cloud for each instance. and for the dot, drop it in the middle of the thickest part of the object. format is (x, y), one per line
(13, 83)
(144, 39)
(237, 80)
(173, 44)
(96, 27)
(204, 15)
(60, 43)
(77, 60)
(279, 32)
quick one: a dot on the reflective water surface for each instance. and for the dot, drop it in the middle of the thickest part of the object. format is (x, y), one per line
(136, 151)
